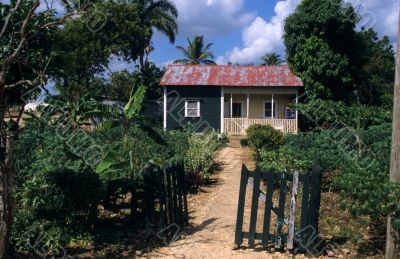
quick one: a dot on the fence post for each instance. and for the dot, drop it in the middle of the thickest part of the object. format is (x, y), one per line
(268, 207)
(240, 212)
(305, 200)
(281, 211)
(149, 197)
(292, 215)
(182, 177)
(315, 198)
(254, 206)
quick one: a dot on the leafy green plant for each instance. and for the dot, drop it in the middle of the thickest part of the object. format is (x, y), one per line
(264, 136)
(199, 156)
(56, 194)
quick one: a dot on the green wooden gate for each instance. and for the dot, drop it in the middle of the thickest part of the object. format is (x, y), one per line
(165, 195)
(304, 233)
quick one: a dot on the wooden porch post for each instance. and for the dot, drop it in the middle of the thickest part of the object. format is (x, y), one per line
(297, 112)
(272, 108)
(297, 101)
(248, 105)
(231, 106)
(222, 110)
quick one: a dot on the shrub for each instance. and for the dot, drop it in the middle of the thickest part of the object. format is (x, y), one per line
(264, 137)
(199, 156)
(56, 194)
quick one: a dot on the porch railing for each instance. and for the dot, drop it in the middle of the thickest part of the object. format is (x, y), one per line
(238, 126)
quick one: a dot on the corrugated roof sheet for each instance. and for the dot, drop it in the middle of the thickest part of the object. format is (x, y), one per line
(216, 75)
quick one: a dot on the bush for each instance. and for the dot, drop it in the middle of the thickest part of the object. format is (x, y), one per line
(199, 156)
(264, 137)
(56, 194)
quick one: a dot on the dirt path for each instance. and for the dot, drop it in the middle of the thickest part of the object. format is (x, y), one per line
(212, 228)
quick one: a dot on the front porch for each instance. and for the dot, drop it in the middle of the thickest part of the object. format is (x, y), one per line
(248, 106)
(238, 126)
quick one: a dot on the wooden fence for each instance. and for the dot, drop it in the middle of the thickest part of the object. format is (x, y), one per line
(238, 126)
(165, 195)
(301, 236)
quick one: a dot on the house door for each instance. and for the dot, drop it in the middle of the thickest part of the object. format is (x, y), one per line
(236, 110)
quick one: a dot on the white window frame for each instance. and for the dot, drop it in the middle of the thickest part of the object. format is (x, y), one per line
(272, 113)
(186, 109)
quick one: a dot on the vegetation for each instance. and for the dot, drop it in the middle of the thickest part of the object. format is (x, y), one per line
(335, 61)
(53, 193)
(271, 59)
(264, 136)
(196, 53)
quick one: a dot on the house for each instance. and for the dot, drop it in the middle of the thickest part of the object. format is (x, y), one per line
(230, 98)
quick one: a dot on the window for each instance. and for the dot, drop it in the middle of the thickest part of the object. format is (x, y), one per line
(268, 110)
(236, 110)
(192, 108)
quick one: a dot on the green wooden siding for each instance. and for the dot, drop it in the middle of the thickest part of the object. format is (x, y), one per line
(210, 107)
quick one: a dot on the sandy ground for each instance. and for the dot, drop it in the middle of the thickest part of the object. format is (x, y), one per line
(212, 229)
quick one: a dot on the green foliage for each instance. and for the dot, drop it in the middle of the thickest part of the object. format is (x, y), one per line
(56, 193)
(271, 59)
(362, 162)
(82, 53)
(196, 52)
(331, 114)
(264, 137)
(36, 50)
(133, 107)
(199, 156)
(333, 59)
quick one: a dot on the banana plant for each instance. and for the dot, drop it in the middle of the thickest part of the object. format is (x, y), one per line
(111, 166)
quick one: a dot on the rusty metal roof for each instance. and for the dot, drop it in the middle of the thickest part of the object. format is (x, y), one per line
(216, 75)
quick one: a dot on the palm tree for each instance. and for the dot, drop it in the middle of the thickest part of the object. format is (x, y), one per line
(271, 59)
(196, 53)
(158, 14)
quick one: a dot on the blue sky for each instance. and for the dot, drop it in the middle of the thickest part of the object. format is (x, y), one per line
(244, 30)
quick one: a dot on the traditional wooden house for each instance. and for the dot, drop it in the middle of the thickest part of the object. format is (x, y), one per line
(230, 98)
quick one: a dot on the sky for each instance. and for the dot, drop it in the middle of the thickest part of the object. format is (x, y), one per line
(244, 30)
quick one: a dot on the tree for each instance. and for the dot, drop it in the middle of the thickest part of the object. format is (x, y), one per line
(271, 59)
(375, 76)
(158, 14)
(196, 53)
(321, 45)
(393, 229)
(82, 53)
(333, 59)
(21, 25)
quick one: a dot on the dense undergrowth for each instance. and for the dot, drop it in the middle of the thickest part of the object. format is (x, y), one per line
(59, 199)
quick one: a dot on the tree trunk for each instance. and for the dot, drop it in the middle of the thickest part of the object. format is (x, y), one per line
(392, 236)
(5, 185)
(141, 62)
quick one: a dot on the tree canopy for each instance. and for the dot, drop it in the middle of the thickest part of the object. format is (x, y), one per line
(196, 52)
(333, 59)
(271, 59)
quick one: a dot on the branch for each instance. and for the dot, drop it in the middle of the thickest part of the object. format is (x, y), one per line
(40, 79)
(8, 18)
(23, 82)
(17, 50)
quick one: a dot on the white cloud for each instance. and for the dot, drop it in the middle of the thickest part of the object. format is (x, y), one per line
(211, 17)
(221, 60)
(262, 36)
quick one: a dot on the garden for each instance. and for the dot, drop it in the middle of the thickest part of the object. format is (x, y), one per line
(64, 202)
(73, 169)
